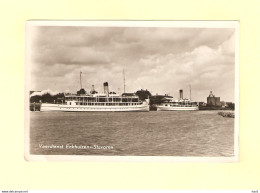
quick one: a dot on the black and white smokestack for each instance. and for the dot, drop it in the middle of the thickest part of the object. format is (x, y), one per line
(181, 94)
(106, 88)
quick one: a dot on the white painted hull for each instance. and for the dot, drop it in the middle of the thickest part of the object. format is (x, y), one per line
(85, 108)
(176, 108)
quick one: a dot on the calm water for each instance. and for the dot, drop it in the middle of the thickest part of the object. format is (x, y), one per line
(176, 133)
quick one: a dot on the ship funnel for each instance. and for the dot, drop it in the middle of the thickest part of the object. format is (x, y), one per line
(181, 94)
(106, 91)
(93, 90)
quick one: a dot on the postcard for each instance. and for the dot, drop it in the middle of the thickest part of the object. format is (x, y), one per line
(132, 91)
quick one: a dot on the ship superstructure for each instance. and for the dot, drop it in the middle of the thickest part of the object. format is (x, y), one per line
(107, 101)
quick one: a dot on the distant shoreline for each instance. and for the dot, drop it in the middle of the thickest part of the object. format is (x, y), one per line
(37, 107)
(216, 108)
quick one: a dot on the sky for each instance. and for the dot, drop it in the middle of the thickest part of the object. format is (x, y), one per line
(161, 60)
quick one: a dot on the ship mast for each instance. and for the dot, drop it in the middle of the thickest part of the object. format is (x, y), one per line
(190, 92)
(80, 79)
(124, 79)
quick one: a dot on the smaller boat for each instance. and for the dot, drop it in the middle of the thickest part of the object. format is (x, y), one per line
(170, 104)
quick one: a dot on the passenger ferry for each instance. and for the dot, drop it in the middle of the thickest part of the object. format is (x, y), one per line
(169, 104)
(99, 102)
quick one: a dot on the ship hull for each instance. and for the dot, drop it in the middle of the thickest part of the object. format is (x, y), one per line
(176, 108)
(45, 107)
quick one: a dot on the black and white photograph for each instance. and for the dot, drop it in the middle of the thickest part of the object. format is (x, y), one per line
(132, 90)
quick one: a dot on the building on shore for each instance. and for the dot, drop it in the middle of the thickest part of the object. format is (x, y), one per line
(213, 101)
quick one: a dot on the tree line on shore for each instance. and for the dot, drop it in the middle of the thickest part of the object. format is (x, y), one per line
(60, 97)
(47, 98)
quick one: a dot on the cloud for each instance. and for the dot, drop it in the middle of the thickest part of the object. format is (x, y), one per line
(44, 92)
(89, 46)
(162, 60)
(228, 46)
